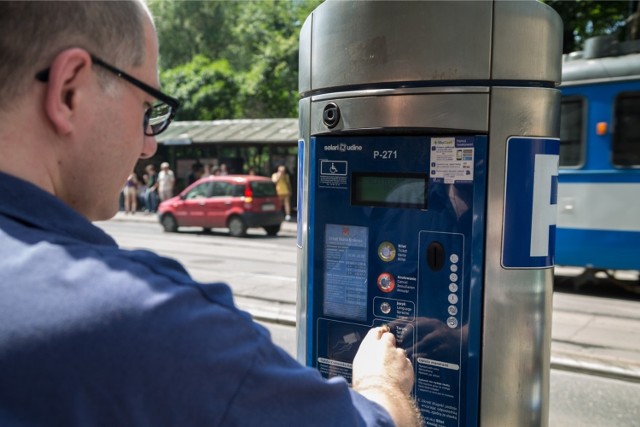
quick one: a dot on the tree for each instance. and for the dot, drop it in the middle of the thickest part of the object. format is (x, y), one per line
(587, 18)
(207, 89)
(266, 49)
(250, 45)
(189, 28)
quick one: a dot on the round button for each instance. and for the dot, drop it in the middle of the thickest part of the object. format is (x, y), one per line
(452, 322)
(453, 287)
(453, 277)
(454, 258)
(386, 251)
(453, 310)
(453, 268)
(453, 299)
(386, 282)
(385, 308)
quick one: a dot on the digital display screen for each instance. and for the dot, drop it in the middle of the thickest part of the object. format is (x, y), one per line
(389, 190)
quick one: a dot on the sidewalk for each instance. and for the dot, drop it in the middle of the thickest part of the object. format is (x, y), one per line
(603, 340)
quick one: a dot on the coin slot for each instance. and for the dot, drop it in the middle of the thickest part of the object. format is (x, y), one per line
(435, 256)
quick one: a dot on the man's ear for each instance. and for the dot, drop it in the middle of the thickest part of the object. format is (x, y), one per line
(69, 75)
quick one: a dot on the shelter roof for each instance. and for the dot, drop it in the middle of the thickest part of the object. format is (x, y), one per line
(237, 131)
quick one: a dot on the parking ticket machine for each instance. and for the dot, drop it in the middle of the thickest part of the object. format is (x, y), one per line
(427, 173)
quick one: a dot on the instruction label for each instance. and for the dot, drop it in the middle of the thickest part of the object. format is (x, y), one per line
(437, 386)
(345, 279)
(451, 159)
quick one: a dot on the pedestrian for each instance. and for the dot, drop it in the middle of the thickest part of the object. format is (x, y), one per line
(197, 170)
(283, 188)
(166, 182)
(206, 172)
(131, 194)
(151, 193)
(92, 334)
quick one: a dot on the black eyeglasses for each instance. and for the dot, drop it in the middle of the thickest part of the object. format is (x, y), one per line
(157, 117)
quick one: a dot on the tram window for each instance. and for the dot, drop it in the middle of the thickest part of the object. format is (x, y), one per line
(626, 135)
(571, 132)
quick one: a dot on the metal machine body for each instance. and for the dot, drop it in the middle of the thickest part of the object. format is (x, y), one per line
(427, 176)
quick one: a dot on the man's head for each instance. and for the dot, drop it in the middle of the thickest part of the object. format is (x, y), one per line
(33, 33)
(77, 129)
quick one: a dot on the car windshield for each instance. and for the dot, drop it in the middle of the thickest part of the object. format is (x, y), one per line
(263, 189)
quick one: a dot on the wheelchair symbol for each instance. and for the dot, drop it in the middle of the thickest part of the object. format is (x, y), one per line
(333, 167)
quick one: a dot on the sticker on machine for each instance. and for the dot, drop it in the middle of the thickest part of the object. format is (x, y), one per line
(451, 159)
(333, 173)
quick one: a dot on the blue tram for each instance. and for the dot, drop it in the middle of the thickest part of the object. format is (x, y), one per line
(598, 224)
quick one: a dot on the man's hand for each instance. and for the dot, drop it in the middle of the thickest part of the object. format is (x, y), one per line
(383, 373)
(379, 361)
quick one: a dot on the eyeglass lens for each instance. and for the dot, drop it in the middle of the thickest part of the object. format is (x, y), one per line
(157, 118)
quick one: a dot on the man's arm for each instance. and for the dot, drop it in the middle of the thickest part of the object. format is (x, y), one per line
(383, 374)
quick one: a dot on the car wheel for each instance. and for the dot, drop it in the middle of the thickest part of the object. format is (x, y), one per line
(169, 223)
(237, 227)
(272, 230)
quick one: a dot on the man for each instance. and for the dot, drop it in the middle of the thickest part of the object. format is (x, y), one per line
(166, 181)
(94, 335)
(150, 178)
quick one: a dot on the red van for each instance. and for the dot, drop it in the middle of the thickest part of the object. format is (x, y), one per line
(236, 202)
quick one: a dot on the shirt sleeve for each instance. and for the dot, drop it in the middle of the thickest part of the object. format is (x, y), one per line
(278, 391)
(239, 377)
(128, 338)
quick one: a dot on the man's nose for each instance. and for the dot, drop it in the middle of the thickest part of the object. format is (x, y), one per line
(149, 147)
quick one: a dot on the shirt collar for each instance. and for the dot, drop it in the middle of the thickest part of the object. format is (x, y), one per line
(34, 207)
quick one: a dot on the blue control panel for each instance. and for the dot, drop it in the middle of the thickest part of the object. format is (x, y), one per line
(396, 237)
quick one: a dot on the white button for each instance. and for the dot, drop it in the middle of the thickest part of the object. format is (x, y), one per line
(454, 258)
(453, 298)
(453, 287)
(453, 277)
(453, 310)
(453, 267)
(452, 322)
(385, 307)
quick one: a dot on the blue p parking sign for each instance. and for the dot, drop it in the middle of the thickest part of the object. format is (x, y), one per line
(530, 202)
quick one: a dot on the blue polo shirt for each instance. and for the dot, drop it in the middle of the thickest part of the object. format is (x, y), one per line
(94, 335)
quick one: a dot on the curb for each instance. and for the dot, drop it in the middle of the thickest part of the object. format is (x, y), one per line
(270, 311)
(287, 227)
(602, 367)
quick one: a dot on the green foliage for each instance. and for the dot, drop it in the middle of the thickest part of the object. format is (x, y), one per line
(588, 18)
(266, 49)
(231, 59)
(206, 89)
(188, 28)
